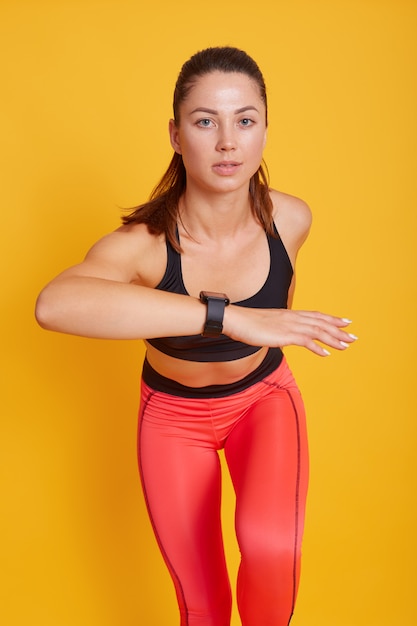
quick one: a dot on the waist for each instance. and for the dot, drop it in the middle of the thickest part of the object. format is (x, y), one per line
(203, 349)
(200, 374)
(163, 384)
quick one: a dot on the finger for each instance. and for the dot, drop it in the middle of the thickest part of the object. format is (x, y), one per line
(327, 324)
(325, 333)
(318, 349)
(340, 322)
(321, 350)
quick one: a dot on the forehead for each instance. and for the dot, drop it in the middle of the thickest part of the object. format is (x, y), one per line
(227, 88)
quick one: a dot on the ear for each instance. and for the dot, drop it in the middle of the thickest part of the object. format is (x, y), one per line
(173, 136)
(265, 137)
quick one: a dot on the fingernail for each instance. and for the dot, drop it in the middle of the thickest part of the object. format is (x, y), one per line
(345, 319)
(353, 336)
(326, 352)
(344, 344)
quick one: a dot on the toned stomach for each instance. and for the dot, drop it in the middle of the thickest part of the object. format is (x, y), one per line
(197, 374)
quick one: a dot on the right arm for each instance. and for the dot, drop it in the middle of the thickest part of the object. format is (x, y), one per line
(111, 295)
(106, 297)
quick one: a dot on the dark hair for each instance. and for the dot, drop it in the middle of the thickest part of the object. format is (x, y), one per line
(228, 60)
(161, 211)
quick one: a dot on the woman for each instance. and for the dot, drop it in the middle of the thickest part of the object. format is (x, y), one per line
(205, 272)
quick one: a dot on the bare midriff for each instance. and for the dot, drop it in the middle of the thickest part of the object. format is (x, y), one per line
(197, 374)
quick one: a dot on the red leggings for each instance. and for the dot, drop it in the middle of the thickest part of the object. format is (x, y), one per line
(262, 430)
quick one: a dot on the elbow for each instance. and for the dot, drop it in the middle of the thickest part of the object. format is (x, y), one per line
(44, 311)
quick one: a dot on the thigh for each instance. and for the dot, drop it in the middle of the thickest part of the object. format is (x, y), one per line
(268, 460)
(181, 480)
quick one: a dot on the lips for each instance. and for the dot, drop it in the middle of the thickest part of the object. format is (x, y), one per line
(225, 168)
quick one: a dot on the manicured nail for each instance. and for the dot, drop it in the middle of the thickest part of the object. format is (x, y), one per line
(346, 320)
(344, 344)
(353, 336)
(326, 352)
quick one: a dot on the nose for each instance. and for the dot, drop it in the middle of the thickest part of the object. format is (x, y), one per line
(226, 140)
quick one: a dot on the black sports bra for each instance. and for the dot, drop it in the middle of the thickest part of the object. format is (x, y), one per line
(272, 295)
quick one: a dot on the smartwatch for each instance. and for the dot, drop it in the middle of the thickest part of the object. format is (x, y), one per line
(216, 303)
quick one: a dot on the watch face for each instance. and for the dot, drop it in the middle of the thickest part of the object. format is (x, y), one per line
(213, 295)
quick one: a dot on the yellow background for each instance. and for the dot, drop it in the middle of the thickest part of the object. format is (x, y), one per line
(86, 90)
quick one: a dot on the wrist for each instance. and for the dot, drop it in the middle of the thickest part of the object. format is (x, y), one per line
(216, 304)
(231, 321)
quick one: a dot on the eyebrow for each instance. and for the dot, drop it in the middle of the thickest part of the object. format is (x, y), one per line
(214, 112)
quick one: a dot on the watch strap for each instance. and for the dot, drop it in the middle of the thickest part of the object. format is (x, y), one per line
(216, 304)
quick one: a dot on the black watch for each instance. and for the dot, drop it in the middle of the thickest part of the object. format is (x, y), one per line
(216, 303)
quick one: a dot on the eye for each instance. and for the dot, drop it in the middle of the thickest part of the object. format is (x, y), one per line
(204, 123)
(246, 121)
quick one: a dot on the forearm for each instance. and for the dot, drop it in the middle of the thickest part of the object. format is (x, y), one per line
(105, 309)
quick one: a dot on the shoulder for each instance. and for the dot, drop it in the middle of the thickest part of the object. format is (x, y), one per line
(127, 241)
(292, 217)
(290, 209)
(129, 254)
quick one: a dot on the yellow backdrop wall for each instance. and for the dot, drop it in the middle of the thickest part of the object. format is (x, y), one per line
(86, 96)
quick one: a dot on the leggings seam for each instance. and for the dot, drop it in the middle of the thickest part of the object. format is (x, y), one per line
(167, 560)
(297, 491)
(297, 500)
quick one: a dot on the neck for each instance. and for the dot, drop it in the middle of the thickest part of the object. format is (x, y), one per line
(215, 215)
